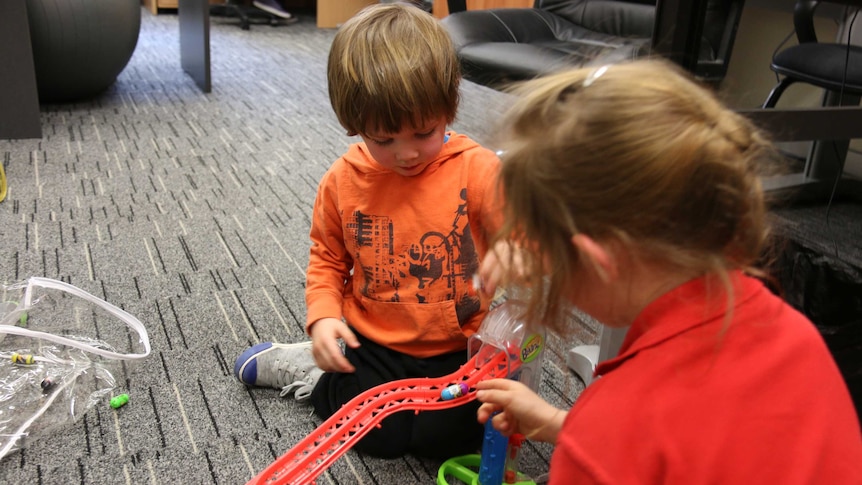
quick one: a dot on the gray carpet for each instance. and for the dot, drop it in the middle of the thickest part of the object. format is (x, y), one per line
(191, 212)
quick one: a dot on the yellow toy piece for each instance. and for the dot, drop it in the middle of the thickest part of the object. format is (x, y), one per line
(25, 359)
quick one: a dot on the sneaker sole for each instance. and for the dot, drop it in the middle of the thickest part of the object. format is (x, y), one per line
(274, 11)
(245, 367)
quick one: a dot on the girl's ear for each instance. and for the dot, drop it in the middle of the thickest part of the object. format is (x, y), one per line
(597, 256)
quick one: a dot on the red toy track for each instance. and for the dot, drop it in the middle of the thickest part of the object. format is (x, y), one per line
(317, 451)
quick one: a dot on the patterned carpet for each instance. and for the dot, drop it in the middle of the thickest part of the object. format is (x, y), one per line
(191, 212)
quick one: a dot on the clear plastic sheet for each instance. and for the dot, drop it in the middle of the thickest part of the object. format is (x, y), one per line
(60, 348)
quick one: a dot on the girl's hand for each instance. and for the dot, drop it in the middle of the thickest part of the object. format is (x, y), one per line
(325, 348)
(502, 264)
(519, 410)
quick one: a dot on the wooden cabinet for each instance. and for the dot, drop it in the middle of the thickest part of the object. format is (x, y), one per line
(332, 13)
(441, 8)
(154, 5)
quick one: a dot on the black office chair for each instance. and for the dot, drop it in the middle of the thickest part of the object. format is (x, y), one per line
(498, 46)
(835, 67)
(247, 14)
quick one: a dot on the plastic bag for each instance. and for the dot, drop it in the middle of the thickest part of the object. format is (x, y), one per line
(60, 348)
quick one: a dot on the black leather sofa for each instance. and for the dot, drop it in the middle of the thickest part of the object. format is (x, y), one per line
(497, 46)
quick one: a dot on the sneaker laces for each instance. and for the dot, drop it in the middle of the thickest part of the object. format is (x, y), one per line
(302, 380)
(301, 390)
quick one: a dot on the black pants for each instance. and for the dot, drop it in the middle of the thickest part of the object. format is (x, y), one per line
(439, 434)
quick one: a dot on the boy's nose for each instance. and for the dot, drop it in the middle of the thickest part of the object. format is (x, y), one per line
(407, 154)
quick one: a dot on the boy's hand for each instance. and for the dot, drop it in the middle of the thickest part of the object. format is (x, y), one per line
(520, 410)
(327, 353)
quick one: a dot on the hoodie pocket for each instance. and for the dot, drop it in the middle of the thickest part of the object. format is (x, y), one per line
(419, 329)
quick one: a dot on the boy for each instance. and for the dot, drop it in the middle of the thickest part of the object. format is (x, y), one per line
(399, 225)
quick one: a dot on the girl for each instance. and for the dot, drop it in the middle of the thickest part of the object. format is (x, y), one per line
(631, 193)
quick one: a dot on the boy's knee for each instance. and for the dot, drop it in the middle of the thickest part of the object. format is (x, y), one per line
(380, 449)
(388, 441)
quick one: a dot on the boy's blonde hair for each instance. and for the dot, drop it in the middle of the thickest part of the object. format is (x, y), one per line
(392, 64)
(637, 153)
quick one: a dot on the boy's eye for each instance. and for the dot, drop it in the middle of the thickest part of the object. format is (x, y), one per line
(389, 141)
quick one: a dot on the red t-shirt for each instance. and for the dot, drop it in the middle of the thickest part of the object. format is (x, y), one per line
(695, 398)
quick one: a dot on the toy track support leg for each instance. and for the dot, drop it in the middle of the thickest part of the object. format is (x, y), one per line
(493, 464)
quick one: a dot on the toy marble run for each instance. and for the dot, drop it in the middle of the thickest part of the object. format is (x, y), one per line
(501, 348)
(498, 463)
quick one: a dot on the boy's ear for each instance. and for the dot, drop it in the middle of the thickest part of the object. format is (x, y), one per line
(597, 256)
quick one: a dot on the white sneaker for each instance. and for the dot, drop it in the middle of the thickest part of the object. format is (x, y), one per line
(289, 367)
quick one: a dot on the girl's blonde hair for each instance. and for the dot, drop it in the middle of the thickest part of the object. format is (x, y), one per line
(636, 153)
(392, 64)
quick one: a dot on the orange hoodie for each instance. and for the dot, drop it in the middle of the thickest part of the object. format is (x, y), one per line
(395, 255)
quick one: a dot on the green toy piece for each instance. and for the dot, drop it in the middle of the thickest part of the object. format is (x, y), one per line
(119, 401)
(10, 306)
(464, 468)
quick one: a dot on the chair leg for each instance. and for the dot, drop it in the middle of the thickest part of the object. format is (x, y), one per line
(777, 91)
(231, 9)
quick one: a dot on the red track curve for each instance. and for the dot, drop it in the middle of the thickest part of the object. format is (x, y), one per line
(317, 451)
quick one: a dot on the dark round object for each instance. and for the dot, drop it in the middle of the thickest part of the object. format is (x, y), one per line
(47, 383)
(80, 46)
